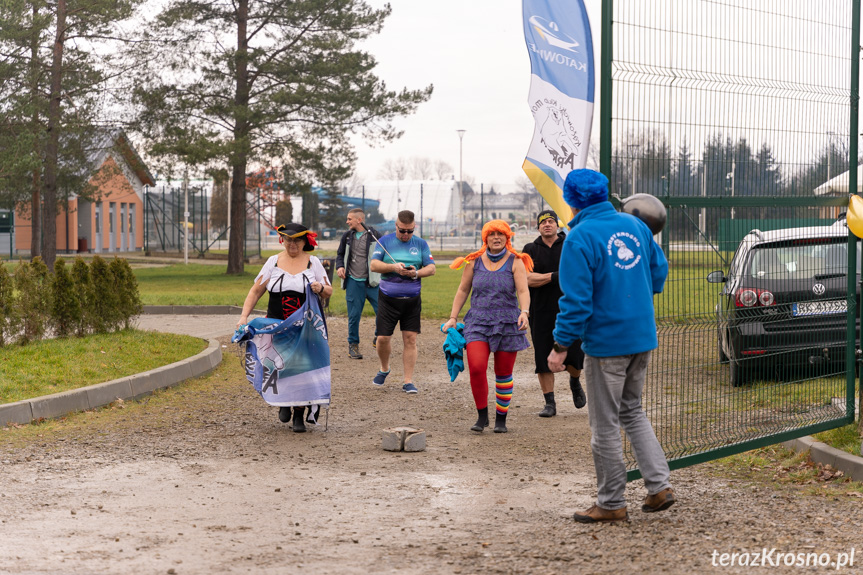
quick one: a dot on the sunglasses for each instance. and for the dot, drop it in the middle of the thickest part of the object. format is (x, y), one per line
(401, 231)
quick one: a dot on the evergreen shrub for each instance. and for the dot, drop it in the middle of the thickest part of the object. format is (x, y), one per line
(65, 305)
(84, 290)
(8, 308)
(105, 303)
(129, 298)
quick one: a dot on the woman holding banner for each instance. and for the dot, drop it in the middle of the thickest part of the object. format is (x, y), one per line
(496, 275)
(288, 276)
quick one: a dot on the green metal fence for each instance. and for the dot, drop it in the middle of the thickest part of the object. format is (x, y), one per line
(741, 116)
(164, 221)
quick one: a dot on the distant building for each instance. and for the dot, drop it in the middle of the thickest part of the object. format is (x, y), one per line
(519, 208)
(114, 221)
(435, 203)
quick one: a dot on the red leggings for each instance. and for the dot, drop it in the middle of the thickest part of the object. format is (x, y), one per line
(477, 362)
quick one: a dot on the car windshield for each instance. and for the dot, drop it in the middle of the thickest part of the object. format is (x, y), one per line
(800, 261)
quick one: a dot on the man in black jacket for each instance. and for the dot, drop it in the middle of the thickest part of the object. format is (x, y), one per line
(358, 281)
(544, 293)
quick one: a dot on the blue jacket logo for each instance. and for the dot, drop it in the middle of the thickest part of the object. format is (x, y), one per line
(624, 255)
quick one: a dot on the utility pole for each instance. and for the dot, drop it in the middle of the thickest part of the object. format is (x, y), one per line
(186, 216)
(460, 185)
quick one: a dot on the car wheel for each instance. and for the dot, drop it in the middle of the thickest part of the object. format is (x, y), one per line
(722, 357)
(739, 374)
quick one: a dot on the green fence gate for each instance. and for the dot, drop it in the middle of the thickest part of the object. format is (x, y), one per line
(740, 117)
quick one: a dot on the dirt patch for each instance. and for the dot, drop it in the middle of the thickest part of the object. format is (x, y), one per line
(204, 479)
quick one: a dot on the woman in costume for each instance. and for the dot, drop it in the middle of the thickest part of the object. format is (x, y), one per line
(284, 276)
(497, 321)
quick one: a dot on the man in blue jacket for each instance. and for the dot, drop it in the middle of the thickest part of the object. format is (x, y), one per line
(610, 268)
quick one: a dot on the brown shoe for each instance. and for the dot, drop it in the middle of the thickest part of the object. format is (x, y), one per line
(660, 501)
(597, 514)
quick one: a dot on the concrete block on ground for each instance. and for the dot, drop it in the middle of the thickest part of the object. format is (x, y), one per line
(403, 439)
(108, 392)
(19, 413)
(415, 441)
(59, 404)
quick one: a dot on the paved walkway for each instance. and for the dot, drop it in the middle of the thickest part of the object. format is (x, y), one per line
(207, 326)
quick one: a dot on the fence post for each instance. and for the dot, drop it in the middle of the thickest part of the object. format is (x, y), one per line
(852, 187)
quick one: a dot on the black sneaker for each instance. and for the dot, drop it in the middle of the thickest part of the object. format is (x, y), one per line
(375, 343)
(550, 410)
(578, 397)
(354, 351)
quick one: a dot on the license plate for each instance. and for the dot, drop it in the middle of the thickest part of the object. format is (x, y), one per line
(819, 307)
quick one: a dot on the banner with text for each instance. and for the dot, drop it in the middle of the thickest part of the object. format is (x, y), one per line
(557, 33)
(288, 361)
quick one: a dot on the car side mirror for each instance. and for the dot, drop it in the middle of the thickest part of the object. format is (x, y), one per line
(716, 277)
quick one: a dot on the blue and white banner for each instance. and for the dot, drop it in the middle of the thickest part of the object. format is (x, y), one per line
(288, 361)
(557, 33)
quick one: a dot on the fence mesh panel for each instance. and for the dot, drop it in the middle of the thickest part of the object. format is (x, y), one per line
(737, 115)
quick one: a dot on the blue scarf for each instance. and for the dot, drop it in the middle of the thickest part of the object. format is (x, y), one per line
(494, 258)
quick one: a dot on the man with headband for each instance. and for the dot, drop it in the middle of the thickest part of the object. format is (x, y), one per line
(544, 295)
(610, 268)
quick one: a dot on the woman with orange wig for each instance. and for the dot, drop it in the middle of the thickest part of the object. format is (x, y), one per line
(497, 321)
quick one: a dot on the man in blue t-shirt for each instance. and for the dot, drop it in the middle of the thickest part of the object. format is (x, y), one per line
(402, 259)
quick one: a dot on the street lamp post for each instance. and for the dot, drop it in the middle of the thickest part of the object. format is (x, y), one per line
(460, 185)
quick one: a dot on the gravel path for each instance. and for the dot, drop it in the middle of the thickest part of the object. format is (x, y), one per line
(204, 479)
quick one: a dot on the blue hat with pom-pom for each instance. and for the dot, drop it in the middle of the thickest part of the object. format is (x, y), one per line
(584, 188)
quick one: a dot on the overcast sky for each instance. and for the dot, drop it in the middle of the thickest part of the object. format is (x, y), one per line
(475, 56)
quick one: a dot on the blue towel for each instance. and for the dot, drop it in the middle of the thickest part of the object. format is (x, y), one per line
(453, 349)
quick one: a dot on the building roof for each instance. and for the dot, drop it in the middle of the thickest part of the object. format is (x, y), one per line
(104, 141)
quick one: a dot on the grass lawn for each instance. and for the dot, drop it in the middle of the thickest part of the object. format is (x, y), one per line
(202, 284)
(846, 438)
(55, 365)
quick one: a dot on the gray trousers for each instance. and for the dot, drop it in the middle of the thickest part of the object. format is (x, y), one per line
(614, 386)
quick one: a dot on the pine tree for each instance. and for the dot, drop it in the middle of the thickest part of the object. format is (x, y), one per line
(261, 82)
(65, 305)
(52, 84)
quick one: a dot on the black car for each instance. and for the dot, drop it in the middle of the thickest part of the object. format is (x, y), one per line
(784, 301)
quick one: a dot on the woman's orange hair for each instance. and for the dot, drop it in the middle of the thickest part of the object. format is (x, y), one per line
(494, 226)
